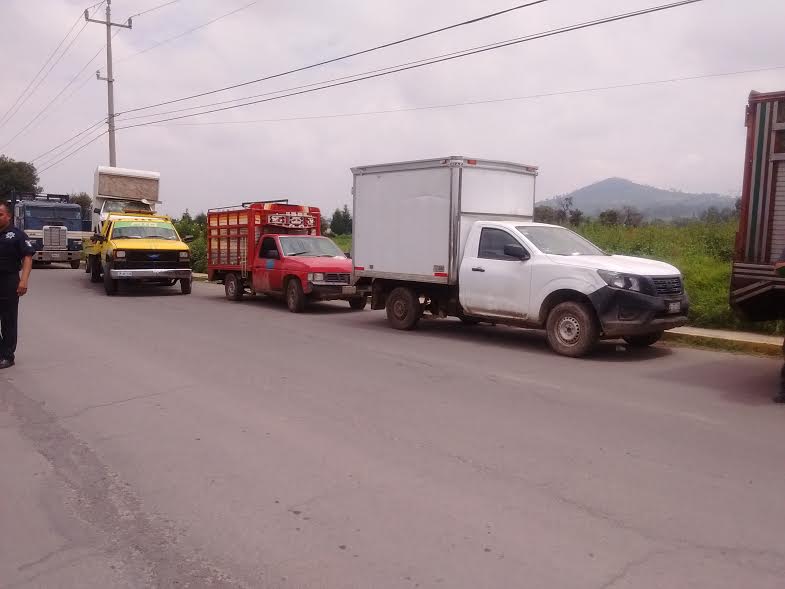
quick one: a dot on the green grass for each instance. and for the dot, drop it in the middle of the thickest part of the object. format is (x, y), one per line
(343, 241)
(702, 251)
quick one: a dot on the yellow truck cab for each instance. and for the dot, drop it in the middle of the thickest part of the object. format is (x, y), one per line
(138, 246)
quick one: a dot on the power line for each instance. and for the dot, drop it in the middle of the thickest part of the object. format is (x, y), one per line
(435, 60)
(154, 8)
(184, 33)
(64, 143)
(342, 57)
(74, 152)
(439, 59)
(9, 114)
(467, 103)
(470, 21)
(480, 102)
(90, 77)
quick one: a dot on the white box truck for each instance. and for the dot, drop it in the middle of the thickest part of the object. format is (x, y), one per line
(118, 190)
(454, 236)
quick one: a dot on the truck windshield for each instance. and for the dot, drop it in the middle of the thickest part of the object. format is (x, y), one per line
(310, 247)
(118, 206)
(38, 217)
(559, 241)
(143, 230)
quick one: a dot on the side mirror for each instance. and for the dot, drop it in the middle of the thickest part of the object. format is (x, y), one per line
(188, 238)
(98, 238)
(348, 254)
(516, 251)
(97, 211)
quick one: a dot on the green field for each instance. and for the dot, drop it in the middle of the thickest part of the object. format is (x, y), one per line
(702, 251)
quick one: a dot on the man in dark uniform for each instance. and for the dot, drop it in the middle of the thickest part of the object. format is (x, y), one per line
(16, 253)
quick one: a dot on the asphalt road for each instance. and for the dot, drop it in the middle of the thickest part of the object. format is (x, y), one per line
(160, 440)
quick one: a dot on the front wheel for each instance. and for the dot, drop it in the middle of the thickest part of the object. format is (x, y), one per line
(185, 285)
(572, 329)
(403, 308)
(295, 297)
(110, 285)
(75, 264)
(358, 303)
(643, 341)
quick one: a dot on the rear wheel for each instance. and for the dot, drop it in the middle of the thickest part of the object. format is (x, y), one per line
(95, 269)
(295, 297)
(233, 287)
(110, 285)
(643, 341)
(75, 264)
(403, 308)
(572, 329)
(358, 303)
(185, 286)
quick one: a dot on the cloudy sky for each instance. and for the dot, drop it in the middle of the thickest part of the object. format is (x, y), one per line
(686, 135)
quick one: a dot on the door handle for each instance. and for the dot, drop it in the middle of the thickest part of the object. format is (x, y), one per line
(478, 269)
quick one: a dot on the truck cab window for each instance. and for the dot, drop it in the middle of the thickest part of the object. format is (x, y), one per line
(492, 242)
(269, 251)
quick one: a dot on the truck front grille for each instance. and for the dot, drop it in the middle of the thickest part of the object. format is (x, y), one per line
(152, 256)
(340, 278)
(668, 286)
(55, 237)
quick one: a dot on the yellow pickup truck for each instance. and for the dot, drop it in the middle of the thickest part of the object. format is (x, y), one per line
(138, 246)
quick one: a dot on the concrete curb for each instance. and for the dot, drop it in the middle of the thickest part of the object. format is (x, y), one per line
(726, 343)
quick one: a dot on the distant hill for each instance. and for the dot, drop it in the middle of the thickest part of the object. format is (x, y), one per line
(654, 203)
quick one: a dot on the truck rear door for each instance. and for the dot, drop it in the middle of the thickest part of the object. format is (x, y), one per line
(492, 282)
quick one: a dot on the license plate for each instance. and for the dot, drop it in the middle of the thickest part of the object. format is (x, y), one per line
(57, 256)
(674, 307)
(122, 274)
(348, 290)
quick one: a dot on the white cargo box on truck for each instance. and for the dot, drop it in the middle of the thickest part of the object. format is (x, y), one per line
(411, 219)
(124, 188)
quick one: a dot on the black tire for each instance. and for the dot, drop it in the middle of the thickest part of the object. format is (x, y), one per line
(295, 297)
(643, 341)
(95, 269)
(186, 285)
(403, 308)
(358, 303)
(110, 285)
(572, 329)
(233, 287)
(75, 264)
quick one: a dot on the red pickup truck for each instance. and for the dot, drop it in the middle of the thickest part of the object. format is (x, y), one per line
(275, 248)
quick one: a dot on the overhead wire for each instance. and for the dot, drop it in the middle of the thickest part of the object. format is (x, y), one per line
(342, 57)
(480, 102)
(20, 101)
(431, 61)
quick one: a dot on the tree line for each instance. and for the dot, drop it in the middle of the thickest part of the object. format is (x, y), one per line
(564, 212)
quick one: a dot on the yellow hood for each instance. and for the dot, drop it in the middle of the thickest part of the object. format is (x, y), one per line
(148, 244)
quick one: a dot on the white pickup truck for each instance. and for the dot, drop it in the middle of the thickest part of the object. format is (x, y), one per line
(454, 237)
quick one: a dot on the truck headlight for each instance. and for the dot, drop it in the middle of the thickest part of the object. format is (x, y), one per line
(623, 281)
(185, 255)
(119, 254)
(315, 276)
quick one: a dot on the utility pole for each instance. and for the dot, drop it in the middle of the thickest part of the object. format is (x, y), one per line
(109, 79)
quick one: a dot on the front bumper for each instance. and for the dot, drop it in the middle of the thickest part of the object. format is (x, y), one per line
(57, 255)
(625, 313)
(142, 273)
(330, 292)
